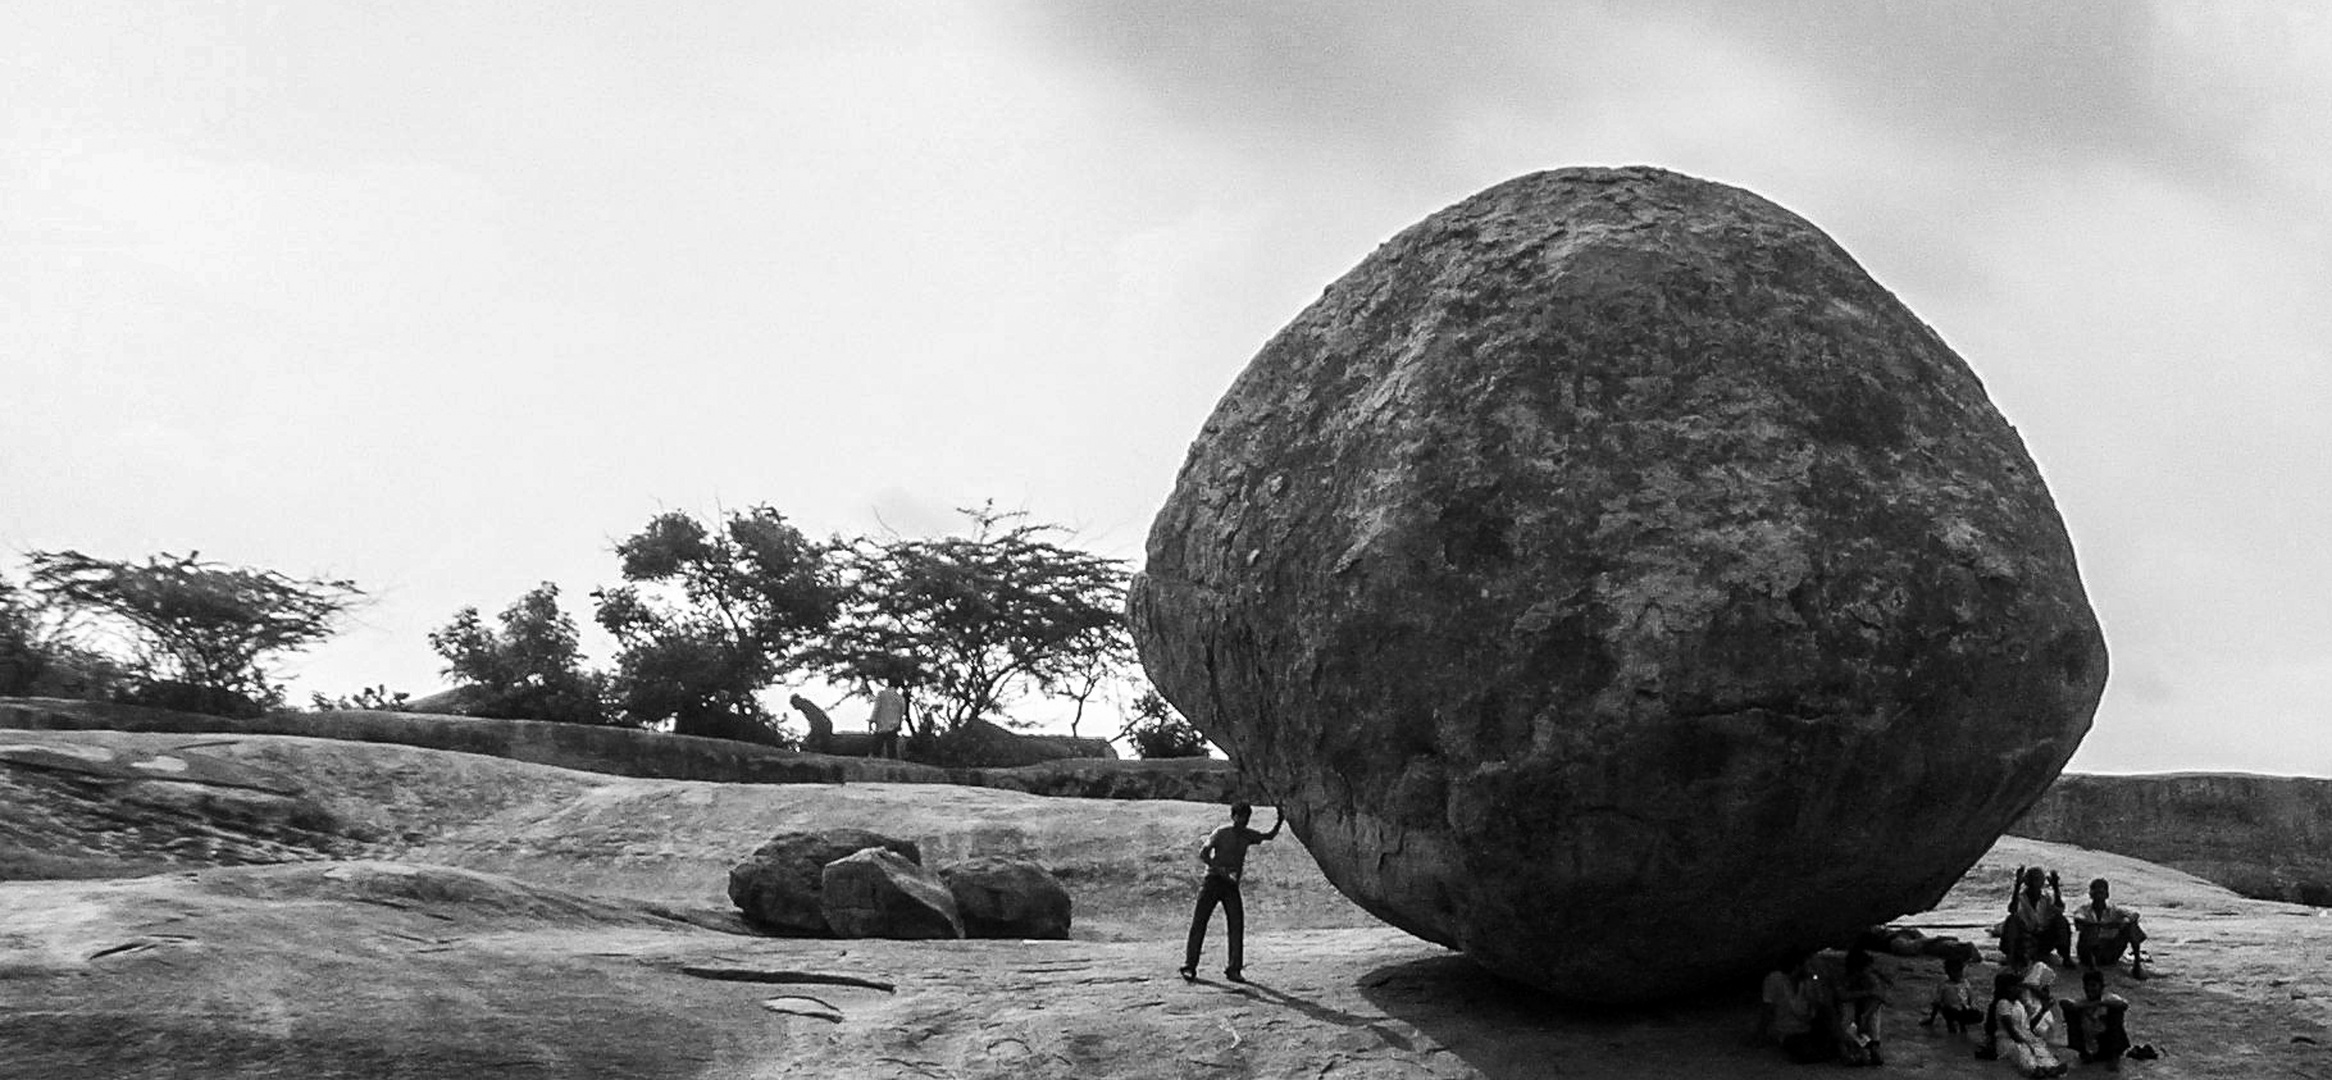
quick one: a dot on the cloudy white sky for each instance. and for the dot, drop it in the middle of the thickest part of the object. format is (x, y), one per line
(445, 298)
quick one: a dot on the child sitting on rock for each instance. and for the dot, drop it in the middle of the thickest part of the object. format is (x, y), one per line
(2023, 1022)
(1862, 1002)
(2019, 968)
(1954, 999)
(2095, 1023)
(1795, 1013)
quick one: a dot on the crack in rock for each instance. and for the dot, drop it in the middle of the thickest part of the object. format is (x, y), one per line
(758, 975)
(803, 1005)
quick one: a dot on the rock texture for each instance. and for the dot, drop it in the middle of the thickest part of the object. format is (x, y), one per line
(1001, 897)
(882, 894)
(1607, 565)
(1084, 773)
(781, 887)
(73, 809)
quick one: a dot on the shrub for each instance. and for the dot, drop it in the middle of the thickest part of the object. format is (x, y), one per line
(370, 698)
(1157, 731)
(529, 669)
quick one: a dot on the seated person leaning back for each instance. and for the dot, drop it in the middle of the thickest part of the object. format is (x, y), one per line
(2103, 930)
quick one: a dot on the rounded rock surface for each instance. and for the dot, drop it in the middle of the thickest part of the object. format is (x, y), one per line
(1612, 581)
(881, 893)
(1004, 897)
(778, 887)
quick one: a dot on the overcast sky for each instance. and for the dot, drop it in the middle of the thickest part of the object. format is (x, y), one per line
(446, 298)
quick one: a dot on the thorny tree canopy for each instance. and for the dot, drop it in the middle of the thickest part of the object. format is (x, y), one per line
(963, 622)
(202, 623)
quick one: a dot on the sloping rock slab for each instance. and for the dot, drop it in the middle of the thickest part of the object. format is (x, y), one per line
(2267, 837)
(75, 810)
(184, 767)
(622, 751)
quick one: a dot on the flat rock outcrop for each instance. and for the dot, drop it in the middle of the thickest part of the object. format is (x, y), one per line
(1003, 897)
(74, 809)
(781, 886)
(1079, 771)
(879, 893)
(2268, 837)
(1612, 581)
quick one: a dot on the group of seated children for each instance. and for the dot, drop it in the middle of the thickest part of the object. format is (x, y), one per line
(2024, 1017)
(1814, 1020)
(2022, 1020)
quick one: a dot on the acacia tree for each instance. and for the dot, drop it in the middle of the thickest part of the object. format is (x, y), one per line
(529, 669)
(199, 631)
(25, 637)
(962, 623)
(736, 610)
(39, 655)
(1084, 671)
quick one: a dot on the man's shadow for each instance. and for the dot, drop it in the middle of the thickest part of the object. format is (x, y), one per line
(1269, 995)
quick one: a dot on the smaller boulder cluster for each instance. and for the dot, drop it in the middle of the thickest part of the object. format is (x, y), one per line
(853, 883)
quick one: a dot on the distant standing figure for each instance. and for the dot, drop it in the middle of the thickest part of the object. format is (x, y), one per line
(2103, 929)
(890, 711)
(1225, 855)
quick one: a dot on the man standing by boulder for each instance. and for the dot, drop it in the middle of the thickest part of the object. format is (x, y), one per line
(1225, 856)
(890, 710)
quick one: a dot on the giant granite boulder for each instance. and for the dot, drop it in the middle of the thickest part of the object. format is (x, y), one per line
(1612, 581)
(779, 886)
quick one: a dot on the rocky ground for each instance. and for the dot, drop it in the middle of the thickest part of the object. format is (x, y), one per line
(281, 906)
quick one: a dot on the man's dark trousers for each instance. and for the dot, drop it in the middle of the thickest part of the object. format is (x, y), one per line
(1225, 891)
